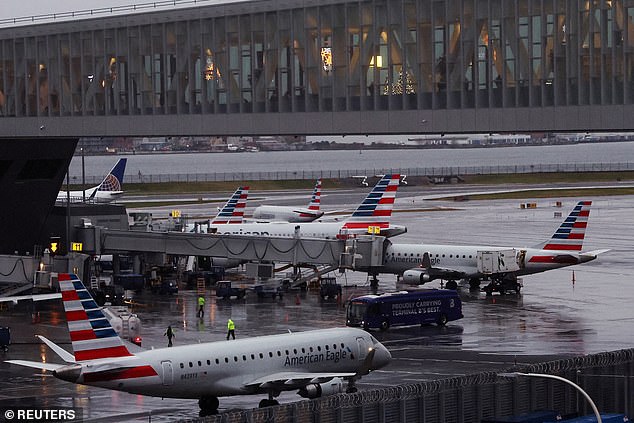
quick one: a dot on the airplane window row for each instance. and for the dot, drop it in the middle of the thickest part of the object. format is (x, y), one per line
(437, 255)
(261, 355)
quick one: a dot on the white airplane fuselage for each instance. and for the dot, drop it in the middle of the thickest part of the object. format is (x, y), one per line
(399, 258)
(286, 214)
(226, 368)
(90, 194)
(322, 230)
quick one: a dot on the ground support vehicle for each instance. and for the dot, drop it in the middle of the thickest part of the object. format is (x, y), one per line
(402, 308)
(268, 290)
(329, 288)
(226, 291)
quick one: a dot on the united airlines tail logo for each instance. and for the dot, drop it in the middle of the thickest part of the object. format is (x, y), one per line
(110, 183)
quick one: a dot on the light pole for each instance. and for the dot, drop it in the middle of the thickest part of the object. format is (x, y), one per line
(561, 379)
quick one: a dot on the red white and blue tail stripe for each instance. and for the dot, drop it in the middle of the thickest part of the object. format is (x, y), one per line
(315, 201)
(91, 334)
(376, 209)
(233, 210)
(570, 234)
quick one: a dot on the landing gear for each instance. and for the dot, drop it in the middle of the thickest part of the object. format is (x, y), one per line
(374, 282)
(474, 284)
(352, 387)
(270, 401)
(208, 406)
(451, 285)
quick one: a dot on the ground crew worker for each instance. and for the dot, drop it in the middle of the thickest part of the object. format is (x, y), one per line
(201, 307)
(231, 327)
(170, 334)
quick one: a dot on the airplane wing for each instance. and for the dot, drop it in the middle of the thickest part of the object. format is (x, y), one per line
(288, 380)
(36, 297)
(595, 252)
(36, 364)
(439, 272)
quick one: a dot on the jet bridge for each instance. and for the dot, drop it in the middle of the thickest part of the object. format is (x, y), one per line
(360, 252)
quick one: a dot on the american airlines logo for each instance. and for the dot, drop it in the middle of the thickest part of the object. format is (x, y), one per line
(315, 358)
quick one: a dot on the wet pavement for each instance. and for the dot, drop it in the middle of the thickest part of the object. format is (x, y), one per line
(551, 318)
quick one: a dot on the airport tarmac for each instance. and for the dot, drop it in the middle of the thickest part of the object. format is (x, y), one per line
(551, 318)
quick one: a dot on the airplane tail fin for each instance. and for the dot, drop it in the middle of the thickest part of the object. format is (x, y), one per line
(376, 209)
(570, 234)
(233, 210)
(91, 334)
(315, 201)
(114, 180)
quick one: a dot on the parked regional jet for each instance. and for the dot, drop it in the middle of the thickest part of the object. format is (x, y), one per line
(374, 212)
(421, 263)
(303, 361)
(108, 190)
(292, 214)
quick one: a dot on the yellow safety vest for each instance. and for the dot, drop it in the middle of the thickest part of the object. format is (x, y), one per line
(231, 325)
(201, 301)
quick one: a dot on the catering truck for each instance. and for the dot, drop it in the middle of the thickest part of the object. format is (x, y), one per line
(403, 308)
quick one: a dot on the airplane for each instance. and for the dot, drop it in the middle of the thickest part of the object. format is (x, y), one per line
(231, 213)
(422, 263)
(107, 191)
(373, 214)
(303, 361)
(292, 214)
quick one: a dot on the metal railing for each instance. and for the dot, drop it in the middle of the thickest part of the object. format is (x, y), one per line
(444, 171)
(97, 12)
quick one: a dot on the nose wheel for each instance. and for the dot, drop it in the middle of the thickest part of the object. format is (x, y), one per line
(208, 406)
(352, 386)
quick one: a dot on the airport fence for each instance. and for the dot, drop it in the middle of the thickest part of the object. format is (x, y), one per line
(608, 378)
(431, 172)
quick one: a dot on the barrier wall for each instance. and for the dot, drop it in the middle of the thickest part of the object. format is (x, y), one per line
(606, 377)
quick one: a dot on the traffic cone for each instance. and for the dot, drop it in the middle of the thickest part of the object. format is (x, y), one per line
(297, 301)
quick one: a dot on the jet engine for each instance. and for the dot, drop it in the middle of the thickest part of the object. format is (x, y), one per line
(316, 390)
(416, 277)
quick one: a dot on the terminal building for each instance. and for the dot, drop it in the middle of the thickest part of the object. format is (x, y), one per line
(328, 67)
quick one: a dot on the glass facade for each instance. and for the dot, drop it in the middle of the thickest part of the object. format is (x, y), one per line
(378, 55)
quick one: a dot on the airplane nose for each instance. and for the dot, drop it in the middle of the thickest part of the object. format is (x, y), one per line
(381, 356)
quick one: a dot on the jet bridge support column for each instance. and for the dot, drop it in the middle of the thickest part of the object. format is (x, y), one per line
(368, 255)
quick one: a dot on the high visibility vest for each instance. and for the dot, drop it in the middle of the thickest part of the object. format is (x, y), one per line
(201, 301)
(231, 325)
